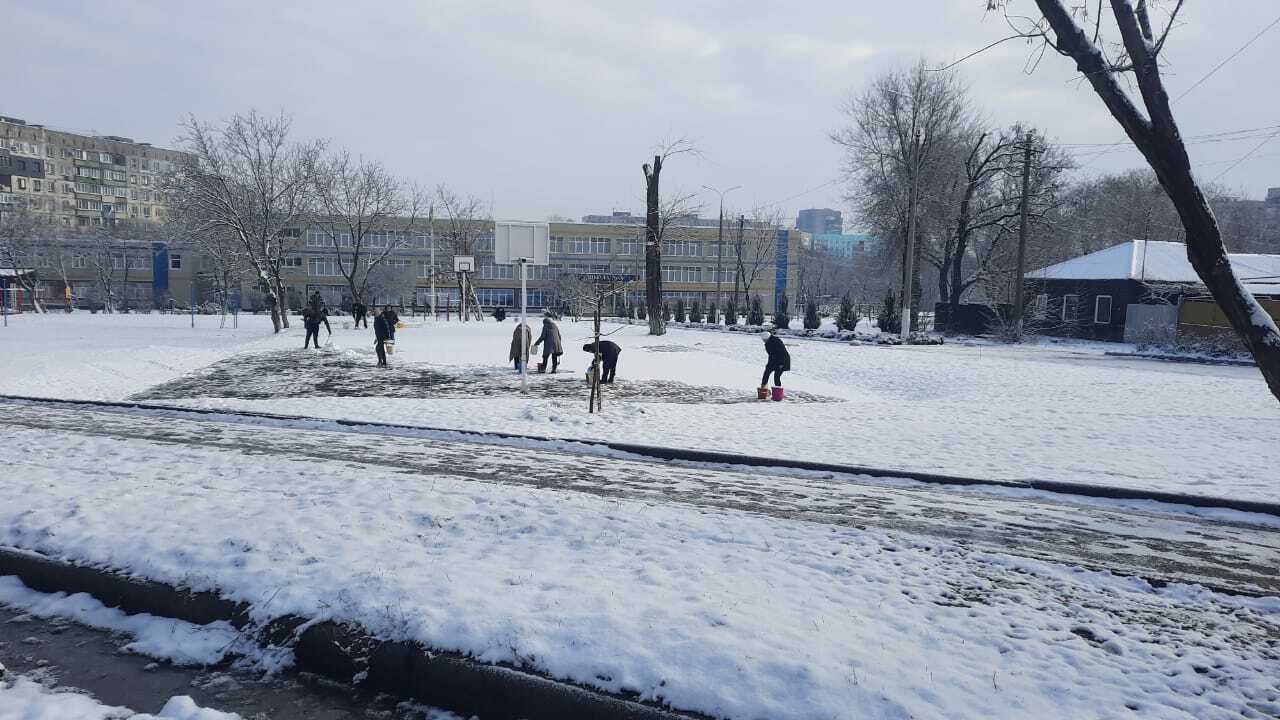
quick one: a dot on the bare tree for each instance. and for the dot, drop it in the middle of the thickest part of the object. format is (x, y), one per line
(23, 234)
(654, 230)
(895, 131)
(757, 254)
(247, 178)
(365, 212)
(1154, 131)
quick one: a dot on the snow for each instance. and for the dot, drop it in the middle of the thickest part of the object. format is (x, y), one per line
(731, 613)
(25, 699)
(1054, 411)
(1153, 261)
(176, 641)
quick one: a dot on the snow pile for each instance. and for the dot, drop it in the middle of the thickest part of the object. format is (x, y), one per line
(730, 613)
(176, 641)
(24, 699)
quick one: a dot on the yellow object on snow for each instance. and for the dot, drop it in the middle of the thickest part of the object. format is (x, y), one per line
(400, 325)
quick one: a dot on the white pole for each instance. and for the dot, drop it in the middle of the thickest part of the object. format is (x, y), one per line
(431, 223)
(464, 296)
(524, 309)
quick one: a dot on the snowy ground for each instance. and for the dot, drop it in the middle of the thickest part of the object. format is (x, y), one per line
(736, 613)
(1060, 411)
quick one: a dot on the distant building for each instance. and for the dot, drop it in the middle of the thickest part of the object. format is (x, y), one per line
(846, 246)
(817, 221)
(1092, 295)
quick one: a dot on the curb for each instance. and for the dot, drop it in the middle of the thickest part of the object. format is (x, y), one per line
(343, 652)
(723, 458)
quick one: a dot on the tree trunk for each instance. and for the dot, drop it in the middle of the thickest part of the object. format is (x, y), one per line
(653, 249)
(1160, 142)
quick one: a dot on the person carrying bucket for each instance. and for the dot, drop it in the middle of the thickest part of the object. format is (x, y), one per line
(778, 363)
(552, 347)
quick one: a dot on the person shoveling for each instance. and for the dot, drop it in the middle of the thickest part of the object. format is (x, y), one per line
(778, 363)
(552, 347)
(609, 352)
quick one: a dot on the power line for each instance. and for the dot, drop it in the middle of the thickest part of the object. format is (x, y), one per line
(1228, 59)
(1246, 156)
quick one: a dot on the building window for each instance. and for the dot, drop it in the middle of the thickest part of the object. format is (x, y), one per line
(491, 271)
(424, 268)
(1102, 310)
(175, 261)
(1069, 302)
(496, 297)
(682, 273)
(577, 245)
(293, 261)
(600, 246)
(629, 247)
(1040, 306)
(322, 266)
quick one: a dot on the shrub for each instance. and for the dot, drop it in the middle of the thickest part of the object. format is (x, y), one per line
(847, 319)
(681, 315)
(888, 320)
(756, 316)
(811, 319)
(781, 316)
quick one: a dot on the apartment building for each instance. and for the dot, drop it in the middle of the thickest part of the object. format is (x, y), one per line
(102, 195)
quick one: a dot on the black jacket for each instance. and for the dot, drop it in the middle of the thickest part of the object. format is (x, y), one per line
(779, 358)
(311, 319)
(609, 350)
(381, 327)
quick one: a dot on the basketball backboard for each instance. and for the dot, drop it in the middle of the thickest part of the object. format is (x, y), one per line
(527, 242)
(464, 263)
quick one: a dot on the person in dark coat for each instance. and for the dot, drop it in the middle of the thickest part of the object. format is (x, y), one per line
(358, 311)
(324, 318)
(552, 347)
(393, 318)
(381, 334)
(609, 352)
(518, 354)
(779, 360)
(316, 302)
(311, 321)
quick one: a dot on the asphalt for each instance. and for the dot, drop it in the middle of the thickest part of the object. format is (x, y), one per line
(67, 655)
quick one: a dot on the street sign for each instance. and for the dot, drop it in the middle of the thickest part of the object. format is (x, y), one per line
(521, 242)
(608, 277)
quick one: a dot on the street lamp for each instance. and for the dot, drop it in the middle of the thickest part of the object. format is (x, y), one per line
(720, 240)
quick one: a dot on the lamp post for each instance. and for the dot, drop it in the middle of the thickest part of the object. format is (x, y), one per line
(720, 239)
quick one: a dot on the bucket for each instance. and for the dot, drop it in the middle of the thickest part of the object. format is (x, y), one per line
(777, 394)
(762, 393)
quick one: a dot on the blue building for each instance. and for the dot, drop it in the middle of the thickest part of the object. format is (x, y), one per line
(846, 246)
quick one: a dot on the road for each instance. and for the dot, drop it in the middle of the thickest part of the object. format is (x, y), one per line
(1230, 555)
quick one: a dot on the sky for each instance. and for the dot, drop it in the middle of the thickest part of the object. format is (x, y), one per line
(550, 107)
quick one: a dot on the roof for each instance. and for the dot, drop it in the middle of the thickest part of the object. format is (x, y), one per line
(9, 272)
(1154, 261)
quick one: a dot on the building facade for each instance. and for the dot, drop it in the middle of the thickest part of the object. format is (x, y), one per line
(816, 221)
(101, 197)
(696, 268)
(80, 180)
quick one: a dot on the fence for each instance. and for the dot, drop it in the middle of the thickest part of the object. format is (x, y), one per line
(1151, 324)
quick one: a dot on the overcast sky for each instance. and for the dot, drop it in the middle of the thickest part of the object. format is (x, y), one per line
(549, 107)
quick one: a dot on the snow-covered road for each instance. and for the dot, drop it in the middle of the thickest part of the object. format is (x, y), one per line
(735, 593)
(1228, 551)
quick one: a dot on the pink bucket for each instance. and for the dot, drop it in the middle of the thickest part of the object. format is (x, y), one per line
(777, 394)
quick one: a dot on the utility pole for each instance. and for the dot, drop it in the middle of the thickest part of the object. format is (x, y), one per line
(1022, 235)
(720, 244)
(431, 230)
(908, 260)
